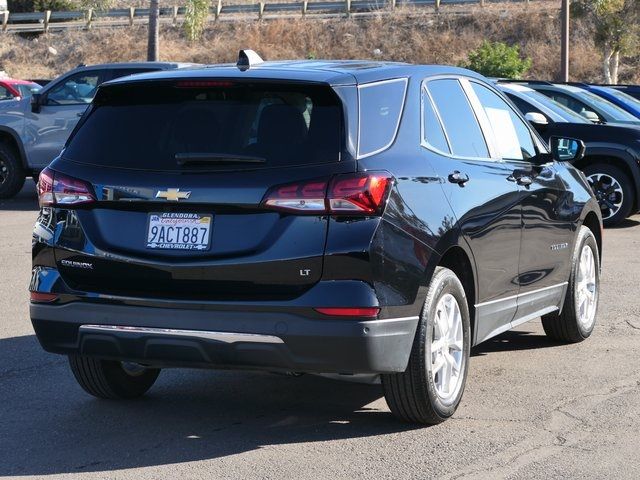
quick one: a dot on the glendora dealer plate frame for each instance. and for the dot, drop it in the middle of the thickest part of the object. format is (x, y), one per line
(179, 231)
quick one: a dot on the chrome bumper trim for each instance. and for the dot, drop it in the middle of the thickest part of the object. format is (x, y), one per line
(224, 337)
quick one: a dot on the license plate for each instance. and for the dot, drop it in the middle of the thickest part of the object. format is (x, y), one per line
(179, 231)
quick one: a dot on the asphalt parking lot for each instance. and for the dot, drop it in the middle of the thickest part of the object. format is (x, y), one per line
(532, 408)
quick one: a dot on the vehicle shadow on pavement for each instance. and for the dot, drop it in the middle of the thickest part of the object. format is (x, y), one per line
(513, 340)
(50, 426)
(627, 223)
(26, 200)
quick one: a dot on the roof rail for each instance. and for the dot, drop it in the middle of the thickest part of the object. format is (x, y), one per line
(531, 82)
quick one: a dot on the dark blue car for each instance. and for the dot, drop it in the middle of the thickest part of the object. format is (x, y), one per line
(617, 97)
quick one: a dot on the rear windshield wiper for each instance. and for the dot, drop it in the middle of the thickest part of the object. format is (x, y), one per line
(217, 158)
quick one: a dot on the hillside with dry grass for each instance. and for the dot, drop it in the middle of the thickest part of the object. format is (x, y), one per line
(412, 36)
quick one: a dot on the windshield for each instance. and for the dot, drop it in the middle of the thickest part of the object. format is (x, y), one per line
(209, 124)
(562, 111)
(614, 112)
(26, 90)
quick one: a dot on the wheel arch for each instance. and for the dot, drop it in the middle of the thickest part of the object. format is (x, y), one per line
(617, 158)
(458, 260)
(592, 222)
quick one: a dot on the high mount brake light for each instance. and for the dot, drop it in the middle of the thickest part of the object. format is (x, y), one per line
(351, 194)
(56, 189)
(203, 84)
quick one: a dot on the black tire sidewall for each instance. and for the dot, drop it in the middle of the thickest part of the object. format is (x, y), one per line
(445, 281)
(586, 237)
(627, 190)
(16, 174)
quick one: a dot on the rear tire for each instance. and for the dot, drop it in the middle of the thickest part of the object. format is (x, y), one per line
(578, 317)
(614, 191)
(12, 174)
(110, 379)
(431, 387)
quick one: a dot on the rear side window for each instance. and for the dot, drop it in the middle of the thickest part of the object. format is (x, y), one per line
(205, 124)
(381, 105)
(433, 133)
(459, 121)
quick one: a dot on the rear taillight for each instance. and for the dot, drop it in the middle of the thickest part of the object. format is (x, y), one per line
(352, 194)
(303, 197)
(56, 189)
(369, 312)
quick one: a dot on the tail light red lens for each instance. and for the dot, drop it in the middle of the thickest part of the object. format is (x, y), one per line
(304, 197)
(369, 312)
(352, 194)
(365, 193)
(56, 189)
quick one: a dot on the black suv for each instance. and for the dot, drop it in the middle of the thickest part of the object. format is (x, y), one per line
(612, 156)
(334, 217)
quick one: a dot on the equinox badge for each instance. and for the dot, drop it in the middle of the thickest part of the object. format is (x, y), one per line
(173, 194)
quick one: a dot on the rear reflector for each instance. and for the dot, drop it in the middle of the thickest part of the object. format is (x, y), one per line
(41, 297)
(56, 189)
(369, 312)
(352, 194)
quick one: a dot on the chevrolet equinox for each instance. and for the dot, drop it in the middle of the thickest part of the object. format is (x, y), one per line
(335, 217)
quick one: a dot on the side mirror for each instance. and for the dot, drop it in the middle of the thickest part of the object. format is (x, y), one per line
(36, 102)
(565, 149)
(536, 118)
(591, 116)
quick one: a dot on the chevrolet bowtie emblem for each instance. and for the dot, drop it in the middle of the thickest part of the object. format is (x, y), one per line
(173, 194)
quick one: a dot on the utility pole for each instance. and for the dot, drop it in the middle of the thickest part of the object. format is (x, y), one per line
(154, 26)
(564, 60)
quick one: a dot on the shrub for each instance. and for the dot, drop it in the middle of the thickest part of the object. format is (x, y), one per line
(41, 5)
(195, 18)
(497, 59)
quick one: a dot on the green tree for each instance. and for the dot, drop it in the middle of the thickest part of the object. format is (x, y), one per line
(616, 26)
(497, 59)
(195, 18)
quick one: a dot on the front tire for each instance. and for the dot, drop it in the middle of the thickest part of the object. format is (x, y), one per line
(12, 174)
(578, 317)
(613, 190)
(431, 387)
(112, 379)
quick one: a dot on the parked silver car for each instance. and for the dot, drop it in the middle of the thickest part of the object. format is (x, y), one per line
(33, 131)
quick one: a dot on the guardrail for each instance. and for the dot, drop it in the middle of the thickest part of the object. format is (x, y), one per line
(54, 20)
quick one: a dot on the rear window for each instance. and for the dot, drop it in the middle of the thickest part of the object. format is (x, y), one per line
(205, 124)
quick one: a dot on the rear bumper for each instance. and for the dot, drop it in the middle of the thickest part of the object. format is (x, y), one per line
(225, 338)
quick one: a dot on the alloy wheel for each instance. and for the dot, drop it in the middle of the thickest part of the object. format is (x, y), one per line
(133, 369)
(4, 172)
(446, 352)
(586, 288)
(608, 192)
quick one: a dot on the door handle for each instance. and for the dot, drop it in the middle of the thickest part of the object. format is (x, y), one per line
(523, 180)
(79, 114)
(459, 178)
